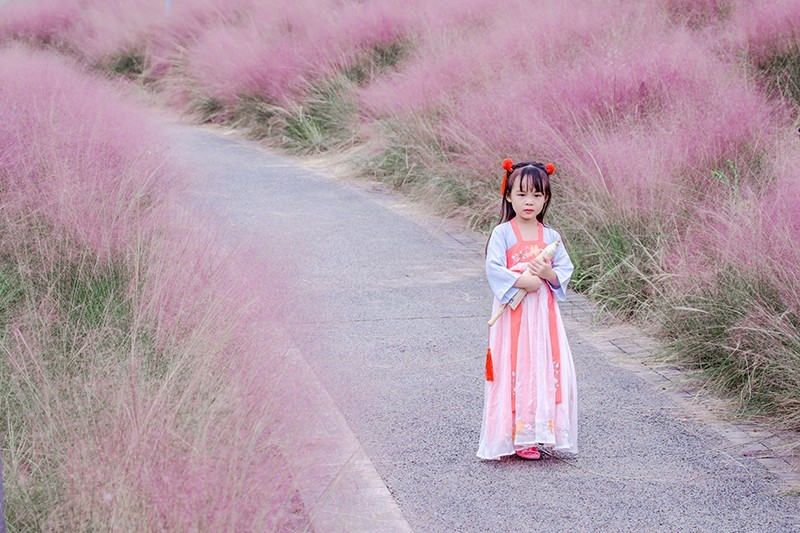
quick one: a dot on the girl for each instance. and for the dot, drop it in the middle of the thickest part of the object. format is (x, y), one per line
(530, 392)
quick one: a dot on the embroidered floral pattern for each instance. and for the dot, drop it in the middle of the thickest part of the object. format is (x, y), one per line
(525, 254)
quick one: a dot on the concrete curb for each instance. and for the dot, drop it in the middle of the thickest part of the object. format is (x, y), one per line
(337, 482)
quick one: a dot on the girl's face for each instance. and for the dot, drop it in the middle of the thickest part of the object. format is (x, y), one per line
(526, 203)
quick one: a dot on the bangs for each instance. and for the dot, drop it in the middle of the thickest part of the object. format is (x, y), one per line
(532, 179)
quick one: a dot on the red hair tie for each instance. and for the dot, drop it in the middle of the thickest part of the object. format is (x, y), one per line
(508, 165)
(549, 168)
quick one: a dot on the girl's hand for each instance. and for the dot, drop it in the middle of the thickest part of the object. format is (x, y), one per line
(542, 268)
(530, 283)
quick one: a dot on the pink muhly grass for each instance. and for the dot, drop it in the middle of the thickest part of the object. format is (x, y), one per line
(37, 22)
(197, 447)
(106, 29)
(266, 49)
(89, 177)
(639, 111)
(93, 31)
(96, 31)
(660, 138)
(508, 46)
(764, 28)
(161, 417)
(276, 49)
(765, 237)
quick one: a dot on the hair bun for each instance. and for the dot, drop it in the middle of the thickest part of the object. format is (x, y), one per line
(549, 168)
(508, 164)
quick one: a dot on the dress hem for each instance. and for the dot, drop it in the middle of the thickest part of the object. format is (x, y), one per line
(567, 449)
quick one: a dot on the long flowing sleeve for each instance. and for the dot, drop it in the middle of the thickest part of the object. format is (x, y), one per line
(562, 265)
(501, 279)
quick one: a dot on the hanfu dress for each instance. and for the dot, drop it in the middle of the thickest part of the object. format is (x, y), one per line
(532, 397)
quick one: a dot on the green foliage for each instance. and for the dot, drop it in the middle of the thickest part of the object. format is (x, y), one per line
(93, 314)
(397, 165)
(77, 320)
(783, 73)
(93, 298)
(11, 291)
(743, 341)
(412, 155)
(616, 263)
(127, 63)
(729, 178)
(388, 56)
(253, 114)
(303, 131)
(208, 109)
(378, 60)
(326, 119)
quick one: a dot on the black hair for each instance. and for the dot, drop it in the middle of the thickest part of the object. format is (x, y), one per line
(531, 175)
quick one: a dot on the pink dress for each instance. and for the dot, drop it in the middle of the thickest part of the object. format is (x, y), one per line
(532, 399)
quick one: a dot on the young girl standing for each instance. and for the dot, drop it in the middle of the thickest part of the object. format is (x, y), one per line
(530, 392)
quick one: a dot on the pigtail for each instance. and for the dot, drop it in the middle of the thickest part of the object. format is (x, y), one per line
(508, 165)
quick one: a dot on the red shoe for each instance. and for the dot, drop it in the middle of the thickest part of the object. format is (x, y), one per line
(530, 453)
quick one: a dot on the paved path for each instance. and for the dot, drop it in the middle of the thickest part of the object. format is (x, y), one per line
(396, 337)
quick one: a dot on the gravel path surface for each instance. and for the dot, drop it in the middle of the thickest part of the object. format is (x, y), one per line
(398, 339)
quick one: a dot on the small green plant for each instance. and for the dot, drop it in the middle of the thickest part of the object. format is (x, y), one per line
(729, 179)
(412, 155)
(397, 165)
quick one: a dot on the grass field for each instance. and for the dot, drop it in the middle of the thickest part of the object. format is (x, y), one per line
(133, 352)
(673, 125)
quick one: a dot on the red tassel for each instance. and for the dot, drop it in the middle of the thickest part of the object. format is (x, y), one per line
(489, 369)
